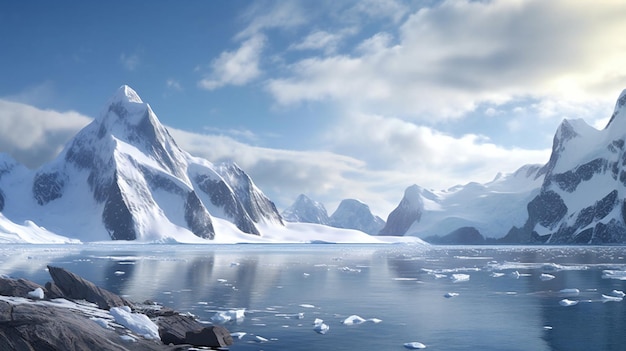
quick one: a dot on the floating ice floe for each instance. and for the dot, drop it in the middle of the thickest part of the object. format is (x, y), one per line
(459, 277)
(496, 274)
(609, 298)
(238, 335)
(618, 293)
(613, 274)
(36, 294)
(227, 316)
(260, 338)
(291, 316)
(414, 345)
(545, 276)
(350, 270)
(119, 273)
(354, 320)
(306, 305)
(569, 292)
(547, 327)
(515, 275)
(138, 323)
(450, 294)
(551, 267)
(320, 327)
(567, 303)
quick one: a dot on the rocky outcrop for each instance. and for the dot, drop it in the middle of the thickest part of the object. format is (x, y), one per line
(32, 321)
(354, 214)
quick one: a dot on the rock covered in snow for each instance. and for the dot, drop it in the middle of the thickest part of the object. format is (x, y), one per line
(354, 214)
(305, 210)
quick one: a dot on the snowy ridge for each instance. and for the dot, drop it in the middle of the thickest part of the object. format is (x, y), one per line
(582, 198)
(123, 177)
(491, 208)
(305, 210)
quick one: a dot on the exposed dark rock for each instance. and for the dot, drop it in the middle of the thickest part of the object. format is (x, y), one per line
(461, 236)
(27, 325)
(48, 187)
(74, 287)
(117, 218)
(198, 218)
(17, 287)
(216, 336)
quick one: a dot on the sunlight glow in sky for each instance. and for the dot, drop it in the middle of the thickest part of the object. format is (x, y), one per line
(333, 99)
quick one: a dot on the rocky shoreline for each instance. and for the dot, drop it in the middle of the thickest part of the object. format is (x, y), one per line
(71, 313)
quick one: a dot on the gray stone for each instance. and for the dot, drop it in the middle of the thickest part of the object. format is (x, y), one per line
(17, 287)
(213, 336)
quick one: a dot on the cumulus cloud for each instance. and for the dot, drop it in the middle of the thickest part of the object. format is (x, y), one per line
(33, 136)
(318, 40)
(237, 67)
(427, 156)
(447, 59)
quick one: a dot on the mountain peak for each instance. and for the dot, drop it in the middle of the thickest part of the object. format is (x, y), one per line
(621, 101)
(126, 94)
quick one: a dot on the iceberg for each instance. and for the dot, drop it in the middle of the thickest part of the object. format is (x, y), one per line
(355, 320)
(459, 277)
(450, 294)
(320, 327)
(567, 303)
(414, 345)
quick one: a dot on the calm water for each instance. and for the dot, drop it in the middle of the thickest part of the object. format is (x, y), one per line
(402, 285)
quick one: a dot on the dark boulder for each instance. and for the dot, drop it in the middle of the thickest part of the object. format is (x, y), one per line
(213, 336)
(17, 287)
(74, 287)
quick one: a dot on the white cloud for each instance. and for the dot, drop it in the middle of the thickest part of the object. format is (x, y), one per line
(431, 158)
(236, 67)
(453, 56)
(173, 84)
(129, 62)
(263, 15)
(34, 136)
(319, 40)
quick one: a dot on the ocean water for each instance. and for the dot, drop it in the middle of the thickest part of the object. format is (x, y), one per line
(502, 303)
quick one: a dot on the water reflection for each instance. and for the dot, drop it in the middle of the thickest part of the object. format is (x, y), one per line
(402, 285)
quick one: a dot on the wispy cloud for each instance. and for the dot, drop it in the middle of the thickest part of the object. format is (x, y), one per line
(173, 84)
(237, 67)
(447, 59)
(129, 62)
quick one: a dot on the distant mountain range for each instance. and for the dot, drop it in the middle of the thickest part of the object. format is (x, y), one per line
(123, 177)
(578, 197)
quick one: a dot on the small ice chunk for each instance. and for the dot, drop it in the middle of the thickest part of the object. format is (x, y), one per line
(306, 305)
(567, 303)
(238, 335)
(608, 298)
(222, 280)
(618, 293)
(569, 292)
(460, 277)
(450, 294)
(136, 322)
(515, 275)
(439, 276)
(414, 345)
(227, 316)
(320, 327)
(547, 327)
(551, 267)
(545, 276)
(119, 273)
(496, 274)
(260, 338)
(355, 320)
(614, 274)
(306, 275)
(36, 294)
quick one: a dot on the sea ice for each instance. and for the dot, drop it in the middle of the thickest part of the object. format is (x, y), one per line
(567, 303)
(238, 335)
(306, 305)
(618, 293)
(608, 298)
(227, 316)
(260, 338)
(450, 294)
(496, 274)
(545, 276)
(119, 273)
(354, 320)
(320, 327)
(136, 322)
(459, 277)
(36, 294)
(613, 274)
(569, 292)
(414, 345)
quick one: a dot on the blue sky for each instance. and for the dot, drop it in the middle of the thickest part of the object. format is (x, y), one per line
(333, 99)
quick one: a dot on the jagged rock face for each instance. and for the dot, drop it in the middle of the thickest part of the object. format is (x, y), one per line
(124, 177)
(582, 197)
(305, 210)
(353, 214)
(408, 212)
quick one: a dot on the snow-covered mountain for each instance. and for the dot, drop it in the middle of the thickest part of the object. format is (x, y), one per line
(123, 177)
(583, 195)
(354, 214)
(491, 208)
(305, 210)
